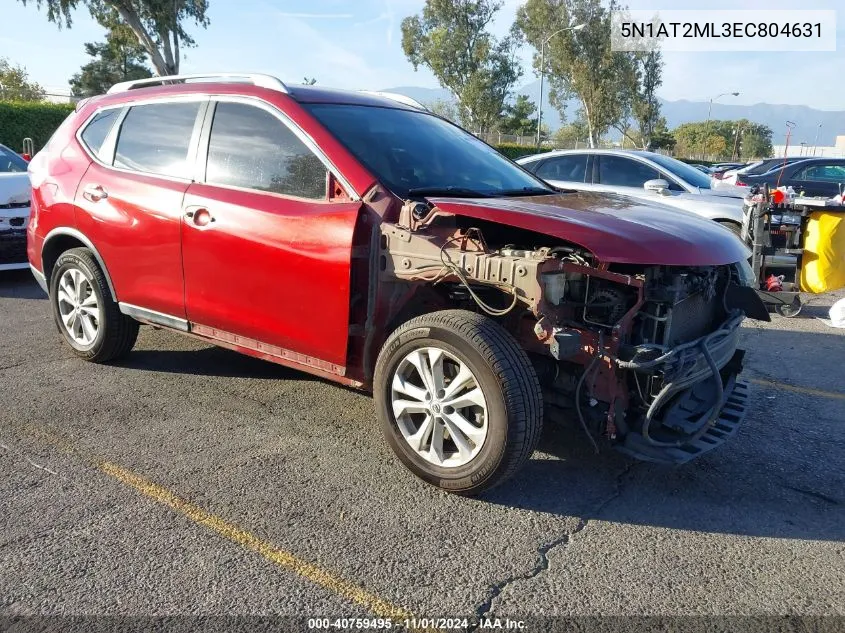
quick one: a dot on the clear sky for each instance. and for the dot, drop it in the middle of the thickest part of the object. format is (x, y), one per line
(356, 44)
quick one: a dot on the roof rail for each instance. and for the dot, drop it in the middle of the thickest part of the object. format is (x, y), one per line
(394, 96)
(263, 81)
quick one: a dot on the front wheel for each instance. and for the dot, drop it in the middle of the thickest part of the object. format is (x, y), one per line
(458, 400)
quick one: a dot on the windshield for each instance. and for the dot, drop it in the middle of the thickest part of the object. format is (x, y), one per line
(683, 171)
(415, 153)
(10, 162)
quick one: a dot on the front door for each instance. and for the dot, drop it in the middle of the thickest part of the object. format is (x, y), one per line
(266, 253)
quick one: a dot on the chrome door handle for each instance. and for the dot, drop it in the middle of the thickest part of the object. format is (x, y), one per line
(95, 193)
(199, 216)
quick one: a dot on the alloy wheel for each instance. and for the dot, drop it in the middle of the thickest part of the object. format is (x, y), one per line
(78, 307)
(439, 407)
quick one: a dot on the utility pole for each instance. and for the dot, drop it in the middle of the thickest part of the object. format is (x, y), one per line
(707, 123)
(577, 27)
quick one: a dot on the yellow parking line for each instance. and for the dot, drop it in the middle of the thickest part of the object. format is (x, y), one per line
(805, 390)
(317, 575)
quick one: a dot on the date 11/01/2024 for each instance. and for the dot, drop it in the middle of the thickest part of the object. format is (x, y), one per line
(725, 29)
(413, 623)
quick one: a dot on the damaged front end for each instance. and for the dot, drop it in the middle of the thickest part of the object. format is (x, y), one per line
(644, 357)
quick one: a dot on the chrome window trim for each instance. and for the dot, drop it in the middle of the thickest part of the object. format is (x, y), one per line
(114, 132)
(298, 132)
(64, 230)
(153, 316)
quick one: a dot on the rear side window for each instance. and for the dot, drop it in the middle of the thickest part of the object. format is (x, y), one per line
(624, 172)
(251, 148)
(155, 138)
(95, 133)
(572, 168)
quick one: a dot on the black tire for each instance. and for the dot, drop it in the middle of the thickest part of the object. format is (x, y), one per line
(116, 332)
(790, 310)
(733, 227)
(505, 376)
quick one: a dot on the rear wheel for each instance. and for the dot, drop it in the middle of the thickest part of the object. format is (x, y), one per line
(85, 313)
(458, 400)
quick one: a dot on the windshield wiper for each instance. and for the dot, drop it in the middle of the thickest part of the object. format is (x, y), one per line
(528, 191)
(462, 192)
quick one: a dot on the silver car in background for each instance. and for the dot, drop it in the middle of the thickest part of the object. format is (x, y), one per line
(642, 175)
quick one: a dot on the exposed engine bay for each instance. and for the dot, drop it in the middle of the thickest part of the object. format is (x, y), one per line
(644, 358)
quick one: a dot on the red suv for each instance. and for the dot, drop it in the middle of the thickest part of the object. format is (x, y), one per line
(365, 240)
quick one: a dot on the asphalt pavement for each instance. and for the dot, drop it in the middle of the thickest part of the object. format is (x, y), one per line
(190, 480)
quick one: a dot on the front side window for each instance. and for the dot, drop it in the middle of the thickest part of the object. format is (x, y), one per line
(95, 133)
(570, 167)
(251, 148)
(155, 138)
(619, 171)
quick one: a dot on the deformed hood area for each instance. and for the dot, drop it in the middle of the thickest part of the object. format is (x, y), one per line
(614, 228)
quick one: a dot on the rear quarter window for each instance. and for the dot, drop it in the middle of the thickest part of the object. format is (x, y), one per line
(94, 134)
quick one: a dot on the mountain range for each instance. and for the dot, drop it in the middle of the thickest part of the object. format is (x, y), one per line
(807, 119)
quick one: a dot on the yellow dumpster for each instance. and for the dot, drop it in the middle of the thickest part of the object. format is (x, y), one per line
(823, 264)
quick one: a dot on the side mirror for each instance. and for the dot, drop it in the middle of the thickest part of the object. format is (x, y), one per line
(658, 185)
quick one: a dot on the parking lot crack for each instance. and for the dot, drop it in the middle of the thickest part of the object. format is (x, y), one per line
(542, 562)
(27, 459)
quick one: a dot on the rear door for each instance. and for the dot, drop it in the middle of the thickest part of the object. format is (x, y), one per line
(564, 169)
(266, 251)
(129, 202)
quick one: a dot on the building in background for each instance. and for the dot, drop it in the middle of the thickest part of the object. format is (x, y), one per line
(56, 94)
(803, 149)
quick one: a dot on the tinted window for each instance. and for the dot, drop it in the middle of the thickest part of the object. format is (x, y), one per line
(571, 167)
(410, 149)
(624, 172)
(829, 173)
(11, 162)
(685, 172)
(95, 133)
(251, 148)
(155, 138)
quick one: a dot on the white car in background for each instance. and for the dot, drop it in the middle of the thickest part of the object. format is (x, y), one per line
(15, 192)
(642, 175)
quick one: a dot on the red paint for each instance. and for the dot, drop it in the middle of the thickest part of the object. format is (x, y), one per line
(270, 268)
(272, 276)
(136, 229)
(613, 228)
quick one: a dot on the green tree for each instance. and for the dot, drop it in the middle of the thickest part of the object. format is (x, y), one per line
(520, 117)
(571, 135)
(451, 38)
(446, 109)
(645, 106)
(579, 63)
(158, 24)
(119, 58)
(15, 84)
(661, 137)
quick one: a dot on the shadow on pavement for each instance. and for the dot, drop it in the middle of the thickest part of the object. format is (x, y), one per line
(19, 284)
(209, 361)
